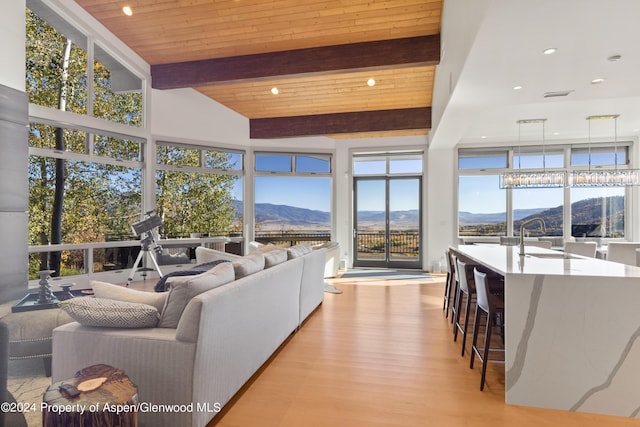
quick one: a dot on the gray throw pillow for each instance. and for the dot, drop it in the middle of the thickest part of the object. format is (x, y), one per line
(274, 257)
(110, 313)
(187, 287)
(298, 250)
(120, 293)
(248, 264)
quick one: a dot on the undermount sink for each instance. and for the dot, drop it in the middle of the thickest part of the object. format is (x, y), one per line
(559, 255)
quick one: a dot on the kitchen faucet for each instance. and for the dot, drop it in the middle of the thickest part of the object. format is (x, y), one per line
(523, 225)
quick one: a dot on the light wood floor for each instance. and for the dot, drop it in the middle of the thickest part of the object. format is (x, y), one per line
(382, 354)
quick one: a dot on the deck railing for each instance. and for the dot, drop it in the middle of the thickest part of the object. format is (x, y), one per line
(400, 242)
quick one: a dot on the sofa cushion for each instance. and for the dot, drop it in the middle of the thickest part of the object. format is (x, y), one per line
(274, 257)
(187, 287)
(248, 264)
(298, 250)
(110, 313)
(120, 293)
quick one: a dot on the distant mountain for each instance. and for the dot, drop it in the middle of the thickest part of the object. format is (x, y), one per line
(468, 218)
(589, 211)
(268, 213)
(410, 216)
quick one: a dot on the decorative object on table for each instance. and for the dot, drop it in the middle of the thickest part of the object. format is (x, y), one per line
(100, 388)
(45, 295)
(66, 294)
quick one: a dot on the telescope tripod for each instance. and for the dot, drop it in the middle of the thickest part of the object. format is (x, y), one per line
(142, 258)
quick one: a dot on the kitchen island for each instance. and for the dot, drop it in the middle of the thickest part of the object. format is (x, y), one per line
(572, 335)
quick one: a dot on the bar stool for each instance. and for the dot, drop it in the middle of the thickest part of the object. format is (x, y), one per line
(466, 289)
(449, 284)
(489, 305)
(456, 288)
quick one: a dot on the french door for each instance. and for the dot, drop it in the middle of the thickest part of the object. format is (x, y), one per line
(387, 222)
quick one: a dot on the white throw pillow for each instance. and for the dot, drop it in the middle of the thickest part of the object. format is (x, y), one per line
(110, 313)
(120, 293)
(186, 287)
(274, 257)
(299, 250)
(248, 264)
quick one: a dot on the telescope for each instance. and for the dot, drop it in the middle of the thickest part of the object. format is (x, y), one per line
(145, 229)
(146, 225)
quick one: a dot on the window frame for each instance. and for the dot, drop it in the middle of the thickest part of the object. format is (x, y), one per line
(627, 145)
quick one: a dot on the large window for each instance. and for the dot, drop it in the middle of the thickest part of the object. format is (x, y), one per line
(592, 211)
(292, 197)
(198, 190)
(59, 67)
(481, 206)
(85, 184)
(83, 187)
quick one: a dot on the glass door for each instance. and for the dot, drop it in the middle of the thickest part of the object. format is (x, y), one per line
(387, 222)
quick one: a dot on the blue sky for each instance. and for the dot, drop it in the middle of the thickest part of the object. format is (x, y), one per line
(315, 193)
(308, 193)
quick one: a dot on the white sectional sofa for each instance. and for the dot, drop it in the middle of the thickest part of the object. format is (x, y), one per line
(222, 338)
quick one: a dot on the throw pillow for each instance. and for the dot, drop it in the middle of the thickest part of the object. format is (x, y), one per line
(248, 264)
(274, 257)
(120, 293)
(298, 250)
(109, 313)
(187, 287)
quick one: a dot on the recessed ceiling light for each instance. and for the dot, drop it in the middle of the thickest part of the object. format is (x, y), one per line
(275, 91)
(549, 51)
(517, 87)
(597, 81)
(556, 133)
(371, 82)
(484, 137)
(127, 11)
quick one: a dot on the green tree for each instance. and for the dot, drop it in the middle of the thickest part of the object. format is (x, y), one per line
(190, 202)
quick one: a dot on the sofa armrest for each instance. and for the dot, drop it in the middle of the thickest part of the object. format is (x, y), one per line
(154, 360)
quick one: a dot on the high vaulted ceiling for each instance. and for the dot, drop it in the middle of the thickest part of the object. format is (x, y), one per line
(319, 54)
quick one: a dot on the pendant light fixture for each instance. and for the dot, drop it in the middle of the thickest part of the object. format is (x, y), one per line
(533, 179)
(605, 177)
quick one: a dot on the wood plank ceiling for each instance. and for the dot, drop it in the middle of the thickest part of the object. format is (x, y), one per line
(319, 54)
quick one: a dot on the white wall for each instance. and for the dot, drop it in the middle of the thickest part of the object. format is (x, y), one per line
(461, 20)
(12, 33)
(188, 114)
(441, 202)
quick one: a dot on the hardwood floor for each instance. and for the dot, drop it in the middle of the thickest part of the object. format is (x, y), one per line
(382, 354)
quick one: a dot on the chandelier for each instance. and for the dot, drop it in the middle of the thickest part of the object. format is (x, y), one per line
(533, 179)
(605, 177)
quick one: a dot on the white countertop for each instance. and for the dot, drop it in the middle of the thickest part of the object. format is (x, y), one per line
(505, 260)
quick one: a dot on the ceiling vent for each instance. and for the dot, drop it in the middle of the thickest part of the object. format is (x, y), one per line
(556, 94)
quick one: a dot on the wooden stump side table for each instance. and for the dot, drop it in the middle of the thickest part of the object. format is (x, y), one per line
(112, 404)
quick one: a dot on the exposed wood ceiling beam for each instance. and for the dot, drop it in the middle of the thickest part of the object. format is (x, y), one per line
(423, 50)
(326, 124)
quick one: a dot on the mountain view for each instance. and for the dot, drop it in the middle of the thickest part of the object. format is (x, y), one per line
(589, 211)
(270, 216)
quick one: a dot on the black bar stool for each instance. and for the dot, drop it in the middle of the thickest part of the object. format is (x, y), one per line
(489, 305)
(449, 284)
